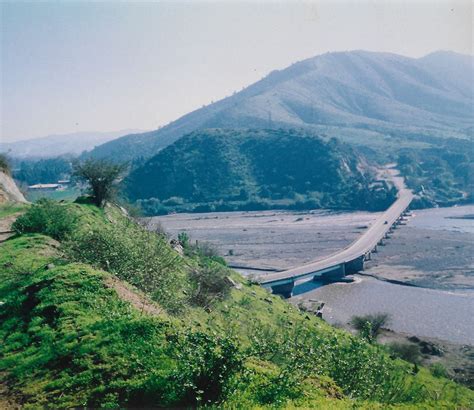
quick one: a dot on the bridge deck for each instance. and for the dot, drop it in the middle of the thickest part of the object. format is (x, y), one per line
(365, 244)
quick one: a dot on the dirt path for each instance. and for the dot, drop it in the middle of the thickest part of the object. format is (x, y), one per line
(6, 225)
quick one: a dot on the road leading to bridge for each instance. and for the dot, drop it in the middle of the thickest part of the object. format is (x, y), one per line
(350, 259)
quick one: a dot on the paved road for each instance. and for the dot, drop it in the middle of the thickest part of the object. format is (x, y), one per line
(360, 247)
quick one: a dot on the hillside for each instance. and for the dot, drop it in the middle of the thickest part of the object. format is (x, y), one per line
(56, 145)
(97, 312)
(254, 169)
(368, 98)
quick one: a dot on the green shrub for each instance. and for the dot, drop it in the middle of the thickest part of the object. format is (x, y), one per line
(406, 351)
(47, 217)
(135, 255)
(369, 326)
(206, 365)
(209, 284)
(438, 370)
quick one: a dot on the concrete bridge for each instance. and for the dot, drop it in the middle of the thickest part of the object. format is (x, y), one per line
(350, 259)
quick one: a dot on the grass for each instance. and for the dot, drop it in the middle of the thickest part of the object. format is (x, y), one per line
(69, 340)
(11, 208)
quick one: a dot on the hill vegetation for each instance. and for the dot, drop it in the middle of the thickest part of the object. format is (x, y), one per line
(254, 169)
(442, 176)
(111, 316)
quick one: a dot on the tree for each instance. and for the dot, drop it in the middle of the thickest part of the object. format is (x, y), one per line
(102, 177)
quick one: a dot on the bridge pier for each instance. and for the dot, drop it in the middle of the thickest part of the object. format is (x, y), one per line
(284, 289)
(337, 273)
(375, 250)
(355, 265)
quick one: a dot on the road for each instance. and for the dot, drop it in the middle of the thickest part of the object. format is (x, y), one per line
(361, 247)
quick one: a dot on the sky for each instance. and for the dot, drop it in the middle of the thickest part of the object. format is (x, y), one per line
(69, 66)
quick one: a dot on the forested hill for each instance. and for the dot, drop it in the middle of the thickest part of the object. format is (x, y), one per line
(221, 169)
(376, 98)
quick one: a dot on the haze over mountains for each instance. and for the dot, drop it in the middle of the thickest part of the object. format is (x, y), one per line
(345, 94)
(56, 145)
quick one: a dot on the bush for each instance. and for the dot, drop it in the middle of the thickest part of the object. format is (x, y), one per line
(135, 255)
(438, 370)
(406, 351)
(206, 365)
(369, 326)
(47, 217)
(209, 283)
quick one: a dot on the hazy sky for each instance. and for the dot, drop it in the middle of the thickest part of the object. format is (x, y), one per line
(70, 66)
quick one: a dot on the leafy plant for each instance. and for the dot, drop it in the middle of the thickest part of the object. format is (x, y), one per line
(406, 351)
(369, 326)
(209, 284)
(47, 217)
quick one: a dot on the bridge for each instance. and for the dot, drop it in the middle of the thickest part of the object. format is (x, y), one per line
(350, 259)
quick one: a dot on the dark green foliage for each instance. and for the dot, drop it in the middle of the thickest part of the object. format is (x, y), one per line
(47, 217)
(224, 170)
(4, 164)
(442, 176)
(406, 351)
(42, 171)
(206, 364)
(369, 326)
(209, 283)
(101, 176)
(438, 370)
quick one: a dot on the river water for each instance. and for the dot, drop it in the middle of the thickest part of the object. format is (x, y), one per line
(424, 312)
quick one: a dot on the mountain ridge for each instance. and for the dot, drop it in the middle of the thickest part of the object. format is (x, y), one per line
(356, 90)
(61, 144)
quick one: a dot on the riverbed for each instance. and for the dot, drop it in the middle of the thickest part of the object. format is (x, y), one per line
(444, 315)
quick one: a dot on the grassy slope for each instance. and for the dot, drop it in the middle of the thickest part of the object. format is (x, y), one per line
(69, 340)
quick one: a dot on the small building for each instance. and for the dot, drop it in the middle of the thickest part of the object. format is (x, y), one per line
(45, 187)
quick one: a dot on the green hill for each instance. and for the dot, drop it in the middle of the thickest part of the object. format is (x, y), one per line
(254, 169)
(98, 313)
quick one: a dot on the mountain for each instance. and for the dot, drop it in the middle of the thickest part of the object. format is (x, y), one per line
(367, 95)
(56, 145)
(222, 169)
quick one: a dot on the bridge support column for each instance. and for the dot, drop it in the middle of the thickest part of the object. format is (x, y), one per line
(355, 266)
(337, 273)
(284, 289)
(375, 250)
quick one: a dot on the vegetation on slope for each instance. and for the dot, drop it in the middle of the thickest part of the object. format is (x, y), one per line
(441, 176)
(226, 170)
(74, 335)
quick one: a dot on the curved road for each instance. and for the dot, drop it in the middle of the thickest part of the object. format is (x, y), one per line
(361, 247)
